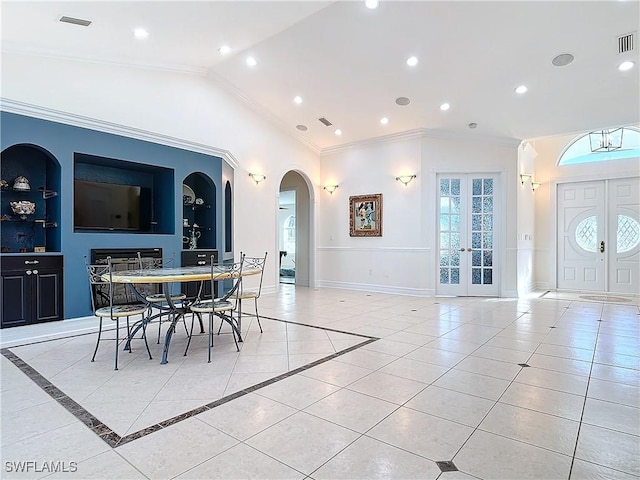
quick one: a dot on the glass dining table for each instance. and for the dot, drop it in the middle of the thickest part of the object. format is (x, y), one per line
(167, 276)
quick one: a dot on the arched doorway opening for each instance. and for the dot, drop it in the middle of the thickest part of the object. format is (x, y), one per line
(294, 230)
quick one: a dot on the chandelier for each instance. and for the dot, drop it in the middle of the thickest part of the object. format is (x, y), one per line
(606, 140)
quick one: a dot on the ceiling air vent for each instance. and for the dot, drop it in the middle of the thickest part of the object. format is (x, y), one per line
(325, 122)
(75, 21)
(626, 43)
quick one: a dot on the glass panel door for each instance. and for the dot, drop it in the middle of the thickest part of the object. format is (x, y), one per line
(466, 235)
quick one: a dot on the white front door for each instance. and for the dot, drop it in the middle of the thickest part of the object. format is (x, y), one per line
(467, 214)
(623, 239)
(599, 236)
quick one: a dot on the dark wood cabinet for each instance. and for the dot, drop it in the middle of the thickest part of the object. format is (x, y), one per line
(31, 289)
(191, 258)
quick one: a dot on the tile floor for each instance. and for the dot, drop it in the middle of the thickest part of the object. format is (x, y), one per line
(540, 388)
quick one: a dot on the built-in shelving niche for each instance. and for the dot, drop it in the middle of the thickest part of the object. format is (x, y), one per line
(41, 229)
(200, 211)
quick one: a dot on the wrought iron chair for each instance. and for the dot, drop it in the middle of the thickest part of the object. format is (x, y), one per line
(224, 306)
(102, 293)
(159, 300)
(250, 263)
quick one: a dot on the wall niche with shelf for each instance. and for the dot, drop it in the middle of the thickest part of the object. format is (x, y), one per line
(37, 231)
(199, 212)
(120, 196)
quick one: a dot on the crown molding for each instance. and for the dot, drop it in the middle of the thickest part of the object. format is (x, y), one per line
(260, 110)
(113, 62)
(393, 137)
(423, 133)
(43, 113)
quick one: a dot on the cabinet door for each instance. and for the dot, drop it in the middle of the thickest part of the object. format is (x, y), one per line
(48, 299)
(192, 258)
(16, 302)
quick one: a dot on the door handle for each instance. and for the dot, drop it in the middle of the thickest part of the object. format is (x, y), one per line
(462, 249)
(602, 246)
(33, 262)
(35, 272)
(28, 272)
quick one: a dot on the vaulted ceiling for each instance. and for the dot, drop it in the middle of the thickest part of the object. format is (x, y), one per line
(347, 62)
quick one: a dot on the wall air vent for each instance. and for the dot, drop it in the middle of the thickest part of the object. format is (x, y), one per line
(75, 21)
(626, 43)
(325, 122)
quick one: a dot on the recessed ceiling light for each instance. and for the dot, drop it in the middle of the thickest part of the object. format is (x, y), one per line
(372, 4)
(624, 66)
(297, 99)
(302, 128)
(521, 89)
(384, 121)
(562, 59)
(338, 132)
(225, 50)
(473, 125)
(140, 33)
(412, 61)
(251, 61)
(444, 107)
(402, 101)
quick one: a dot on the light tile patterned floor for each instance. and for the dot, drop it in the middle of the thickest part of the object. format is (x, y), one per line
(540, 388)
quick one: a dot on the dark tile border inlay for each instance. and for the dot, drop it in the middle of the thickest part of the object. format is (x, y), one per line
(447, 466)
(114, 440)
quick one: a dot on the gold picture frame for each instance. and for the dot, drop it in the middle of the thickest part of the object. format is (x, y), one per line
(365, 215)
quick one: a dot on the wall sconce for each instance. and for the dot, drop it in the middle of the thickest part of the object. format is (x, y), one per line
(535, 185)
(257, 177)
(330, 188)
(405, 179)
(524, 177)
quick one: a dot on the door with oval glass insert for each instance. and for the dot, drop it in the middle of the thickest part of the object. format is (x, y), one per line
(599, 236)
(467, 214)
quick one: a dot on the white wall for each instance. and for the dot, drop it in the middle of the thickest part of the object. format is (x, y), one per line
(403, 259)
(550, 175)
(526, 219)
(187, 107)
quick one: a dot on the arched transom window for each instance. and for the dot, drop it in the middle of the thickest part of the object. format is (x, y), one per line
(602, 145)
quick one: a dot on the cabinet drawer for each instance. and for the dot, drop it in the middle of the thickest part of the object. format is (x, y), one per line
(198, 257)
(25, 262)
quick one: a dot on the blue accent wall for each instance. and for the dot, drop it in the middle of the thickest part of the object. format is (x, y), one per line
(65, 142)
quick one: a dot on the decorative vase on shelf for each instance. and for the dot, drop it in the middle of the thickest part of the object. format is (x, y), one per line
(21, 183)
(192, 239)
(23, 208)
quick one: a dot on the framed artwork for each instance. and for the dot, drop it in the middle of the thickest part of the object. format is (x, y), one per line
(365, 215)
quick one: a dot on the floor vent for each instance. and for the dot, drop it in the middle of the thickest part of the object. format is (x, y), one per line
(325, 122)
(75, 21)
(626, 43)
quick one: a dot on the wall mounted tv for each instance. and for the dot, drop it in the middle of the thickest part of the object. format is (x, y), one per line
(111, 207)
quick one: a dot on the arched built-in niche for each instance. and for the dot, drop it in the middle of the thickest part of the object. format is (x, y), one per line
(23, 233)
(199, 211)
(228, 218)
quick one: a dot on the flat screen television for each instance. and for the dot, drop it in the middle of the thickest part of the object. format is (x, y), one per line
(111, 207)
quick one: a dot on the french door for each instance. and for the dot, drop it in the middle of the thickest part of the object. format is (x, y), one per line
(599, 236)
(467, 221)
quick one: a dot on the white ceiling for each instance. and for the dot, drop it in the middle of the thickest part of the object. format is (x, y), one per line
(348, 62)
